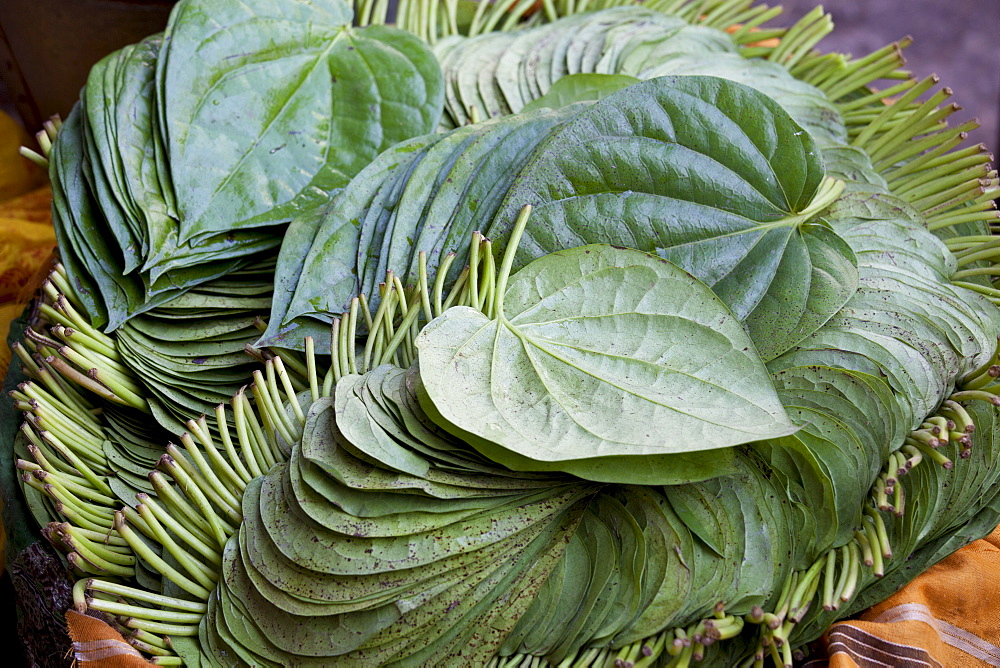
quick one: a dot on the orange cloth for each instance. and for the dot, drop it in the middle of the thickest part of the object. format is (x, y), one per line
(949, 616)
(97, 644)
(26, 243)
(26, 240)
(17, 175)
(26, 235)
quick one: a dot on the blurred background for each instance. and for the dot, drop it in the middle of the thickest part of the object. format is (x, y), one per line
(959, 40)
(47, 47)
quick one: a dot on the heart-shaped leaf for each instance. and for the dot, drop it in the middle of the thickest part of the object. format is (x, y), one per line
(269, 106)
(608, 363)
(708, 173)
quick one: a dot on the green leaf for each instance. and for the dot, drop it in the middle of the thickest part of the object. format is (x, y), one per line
(580, 88)
(817, 274)
(804, 103)
(606, 363)
(739, 150)
(359, 428)
(709, 174)
(326, 247)
(269, 106)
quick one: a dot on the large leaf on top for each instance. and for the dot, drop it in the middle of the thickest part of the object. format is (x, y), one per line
(605, 362)
(708, 173)
(268, 106)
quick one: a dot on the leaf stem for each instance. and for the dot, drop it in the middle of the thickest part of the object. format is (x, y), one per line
(442, 272)
(151, 614)
(227, 442)
(81, 418)
(747, 33)
(457, 290)
(35, 441)
(508, 260)
(829, 580)
(179, 507)
(878, 570)
(474, 249)
(352, 333)
(827, 193)
(166, 629)
(205, 576)
(199, 498)
(892, 110)
(157, 563)
(290, 394)
(219, 464)
(333, 373)
(78, 463)
(155, 650)
(206, 482)
(70, 486)
(111, 562)
(149, 639)
(899, 500)
(311, 369)
(48, 461)
(391, 298)
(422, 286)
(854, 569)
(150, 511)
(399, 335)
(265, 404)
(52, 430)
(252, 437)
(406, 342)
(204, 474)
(883, 536)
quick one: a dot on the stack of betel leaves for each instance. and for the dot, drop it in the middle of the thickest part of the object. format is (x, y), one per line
(599, 334)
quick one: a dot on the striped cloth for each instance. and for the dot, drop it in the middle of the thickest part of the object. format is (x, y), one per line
(948, 617)
(97, 644)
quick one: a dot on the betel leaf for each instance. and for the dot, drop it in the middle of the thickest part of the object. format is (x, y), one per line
(580, 88)
(604, 362)
(710, 174)
(324, 251)
(816, 275)
(806, 104)
(269, 106)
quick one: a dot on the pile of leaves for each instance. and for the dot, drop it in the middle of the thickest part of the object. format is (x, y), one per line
(164, 176)
(612, 337)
